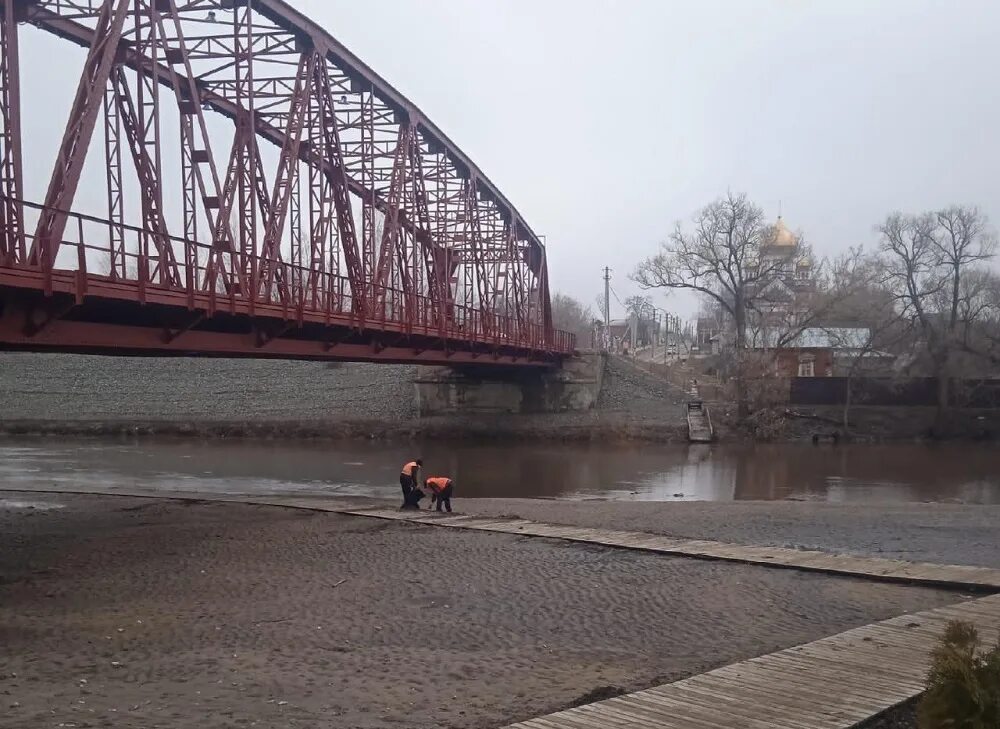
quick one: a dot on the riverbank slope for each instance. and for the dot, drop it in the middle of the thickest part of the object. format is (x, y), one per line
(89, 395)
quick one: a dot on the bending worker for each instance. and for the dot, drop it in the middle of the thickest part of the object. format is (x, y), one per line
(408, 478)
(441, 489)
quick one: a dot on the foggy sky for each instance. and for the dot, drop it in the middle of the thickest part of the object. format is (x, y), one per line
(605, 122)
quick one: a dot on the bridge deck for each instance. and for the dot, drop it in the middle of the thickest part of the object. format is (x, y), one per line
(93, 315)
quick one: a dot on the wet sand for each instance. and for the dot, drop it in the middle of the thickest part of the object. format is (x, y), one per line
(128, 612)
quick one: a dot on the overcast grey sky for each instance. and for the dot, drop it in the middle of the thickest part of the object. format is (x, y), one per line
(605, 122)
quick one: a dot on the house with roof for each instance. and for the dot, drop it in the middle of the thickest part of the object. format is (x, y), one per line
(709, 334)
(825, 352)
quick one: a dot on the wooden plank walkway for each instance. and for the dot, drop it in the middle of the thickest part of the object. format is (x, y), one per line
(833, 683)
(699, 423)
(877, 568)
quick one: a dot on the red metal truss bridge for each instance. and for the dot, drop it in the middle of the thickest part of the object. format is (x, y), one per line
(232, 181)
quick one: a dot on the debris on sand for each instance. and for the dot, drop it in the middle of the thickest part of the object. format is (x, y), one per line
(600, 693)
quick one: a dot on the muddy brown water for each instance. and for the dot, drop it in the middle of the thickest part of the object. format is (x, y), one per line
(966, 473)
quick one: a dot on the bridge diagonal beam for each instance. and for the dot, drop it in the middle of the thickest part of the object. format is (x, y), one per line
(476, 259)
(237, 55)
(237, 170)
(12, 240)
(322, 253)
(264, 128)
(150, 187)
(285, 179)
(79, 130)
(117, 254)
(411, 254)
(197, 140)
(276, 32)
(390, 227)
(142, 127)
(337, 174)
(436, 277)
(514, 281)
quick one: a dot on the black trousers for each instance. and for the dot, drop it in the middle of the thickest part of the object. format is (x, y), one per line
(413, 499)
(406, 483)
(444, 498)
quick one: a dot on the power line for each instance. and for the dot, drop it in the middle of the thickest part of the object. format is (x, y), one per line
(616, 296)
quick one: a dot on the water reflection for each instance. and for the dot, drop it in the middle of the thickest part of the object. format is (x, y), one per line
(900, 473)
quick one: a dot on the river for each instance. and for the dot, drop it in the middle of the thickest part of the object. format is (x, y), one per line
(966, 473)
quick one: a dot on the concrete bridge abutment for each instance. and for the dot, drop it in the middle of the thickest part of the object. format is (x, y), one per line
(572, 387)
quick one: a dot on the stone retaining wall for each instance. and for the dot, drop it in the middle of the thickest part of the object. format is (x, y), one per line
(91, 395)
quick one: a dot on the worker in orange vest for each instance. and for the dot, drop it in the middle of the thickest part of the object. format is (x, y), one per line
(441, 489)
(408, 481)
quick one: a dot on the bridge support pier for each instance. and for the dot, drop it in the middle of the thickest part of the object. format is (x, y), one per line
(573, 387)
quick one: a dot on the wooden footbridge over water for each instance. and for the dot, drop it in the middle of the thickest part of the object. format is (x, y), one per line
(699, 420)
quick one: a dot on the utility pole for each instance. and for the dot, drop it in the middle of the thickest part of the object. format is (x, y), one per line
(607, 299)
(666, 336)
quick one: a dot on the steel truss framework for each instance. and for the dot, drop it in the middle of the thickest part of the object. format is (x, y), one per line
(356, 230)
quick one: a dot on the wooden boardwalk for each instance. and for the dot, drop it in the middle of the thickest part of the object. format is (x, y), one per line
(833, 683)
(887, 570)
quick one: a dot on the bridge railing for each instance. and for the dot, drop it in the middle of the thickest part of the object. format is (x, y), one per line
(99, 257)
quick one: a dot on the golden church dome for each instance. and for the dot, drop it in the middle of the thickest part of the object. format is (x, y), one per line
(781, 236)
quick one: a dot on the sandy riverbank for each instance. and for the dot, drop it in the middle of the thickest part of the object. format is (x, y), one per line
(126, 612)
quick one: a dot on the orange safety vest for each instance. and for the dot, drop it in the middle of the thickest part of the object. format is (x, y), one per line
(438, 483)
(410, 467)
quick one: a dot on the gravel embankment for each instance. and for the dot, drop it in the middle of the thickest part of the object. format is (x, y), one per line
(78, 394)
(45, 387)
(630, 390)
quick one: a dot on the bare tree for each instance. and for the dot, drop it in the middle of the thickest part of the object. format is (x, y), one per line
(687, 336)
(864, 325)
(710, 322)
(976, 346)
(570, 315)
(638, 306)
(981, 307)
(641, 310)
(935, 265)
(721, 257)
(601, 305)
